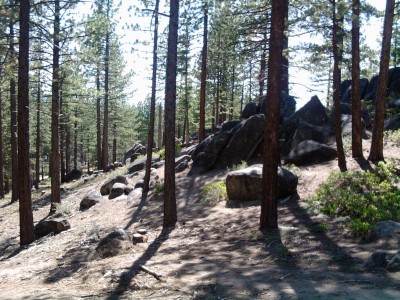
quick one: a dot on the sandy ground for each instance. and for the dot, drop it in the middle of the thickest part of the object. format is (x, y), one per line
(215, 252)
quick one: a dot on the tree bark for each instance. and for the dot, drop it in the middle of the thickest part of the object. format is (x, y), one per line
(24, 184)
(203, 76)
(13, 125)
(357, 151)
(269, 209)
(150, 142)
(37, 154)
(98, 120)
(285, 58)
(106, 96)
(160, 127)
(337, 57)
(76, 139)
(170, 215)
(55, 114)
(376, 152)
(2, 194)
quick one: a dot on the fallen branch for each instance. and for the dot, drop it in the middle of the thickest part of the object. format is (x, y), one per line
(148, 271)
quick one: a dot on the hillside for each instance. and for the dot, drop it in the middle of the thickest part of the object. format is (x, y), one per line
(215, 252)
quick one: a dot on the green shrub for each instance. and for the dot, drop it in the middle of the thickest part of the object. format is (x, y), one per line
(393, 136)
(366, 197)
(160, 153)
(214, 192)
(240, 166)
(159, 188)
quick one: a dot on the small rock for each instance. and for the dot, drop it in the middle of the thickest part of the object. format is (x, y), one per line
(182, 167)
(136, 194)
(107, 186)
(142, 231)
(46, 227)
(139, 184)
(114, 243)
(378, 259)
(129, 188)
(139, 238)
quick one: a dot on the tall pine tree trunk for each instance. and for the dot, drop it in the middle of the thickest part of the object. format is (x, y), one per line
(24, 184)
(37, 154)
(150, 141)
(269, 209)
(203, 76)
(76, 140)
(2, 194)
(62, 137)
(13, 125)
(285, 58)
(106, 96)
(160, 127)
(55, 114)
(114, 155)
(376, 152)
(337, 57)
(98, 121)
(357, 151)
(170, 214)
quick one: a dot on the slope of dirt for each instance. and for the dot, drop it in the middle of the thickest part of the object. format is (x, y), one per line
(215, 252)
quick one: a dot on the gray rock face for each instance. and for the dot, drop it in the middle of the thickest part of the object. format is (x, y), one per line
(181, 159)
(310, 152)
(249, 110)
(135, 149)
(117, 190)
(306, 131)
(107, 186)
(244, 142)
(91, 198)
(140, 164)
(181, 167)
(136, 194)
(394, 263)
(393, 123)
(46, 227)
(204, 162)
(387, 229)
(313, 112)
(246, 184)
(114, 243)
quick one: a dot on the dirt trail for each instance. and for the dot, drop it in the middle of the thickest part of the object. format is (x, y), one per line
(215, 252)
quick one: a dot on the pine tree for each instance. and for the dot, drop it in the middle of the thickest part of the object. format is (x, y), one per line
(170, 215)
(269, 209)
(376, 152)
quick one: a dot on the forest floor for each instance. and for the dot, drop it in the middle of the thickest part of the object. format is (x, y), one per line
(215, 252)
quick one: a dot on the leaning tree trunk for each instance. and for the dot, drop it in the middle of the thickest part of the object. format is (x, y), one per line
(357, 151)
(269, 203)
(170, 215)
(24, 184)
(376, 152)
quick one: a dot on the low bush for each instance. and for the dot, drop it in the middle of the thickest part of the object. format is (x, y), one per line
(214, 192)
(366, 197)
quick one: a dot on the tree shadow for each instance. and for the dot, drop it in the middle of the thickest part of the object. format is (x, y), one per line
(138, 211)
(127, 276)
(364, 164)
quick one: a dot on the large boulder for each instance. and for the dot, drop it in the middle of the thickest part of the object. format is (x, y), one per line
(114, 243)
(287, 105)
(91, 198)
(117, 190)
(135, 149)
(306, 131)
(246, 184)
(387, 229)
(107, 186)
(204, 162)
(244, 142)
(53, 226)
(345, 89)
(249, 110)
(310, 152)
(73, 175)
(313, 112)
(140, 163)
